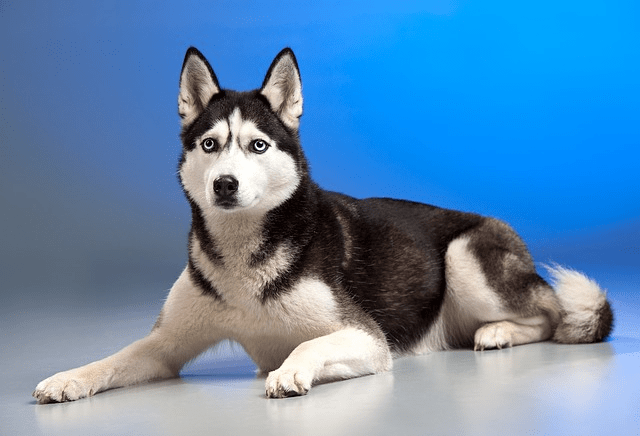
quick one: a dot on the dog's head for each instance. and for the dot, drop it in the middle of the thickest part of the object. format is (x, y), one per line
(241, 150)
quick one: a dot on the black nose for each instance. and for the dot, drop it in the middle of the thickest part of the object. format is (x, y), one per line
(225, 186)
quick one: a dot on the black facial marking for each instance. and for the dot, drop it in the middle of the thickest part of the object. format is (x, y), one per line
(253, 107)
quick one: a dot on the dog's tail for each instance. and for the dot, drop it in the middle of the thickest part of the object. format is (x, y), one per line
(586, 315)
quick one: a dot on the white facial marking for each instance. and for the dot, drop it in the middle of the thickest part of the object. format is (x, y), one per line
(235, 124)
(219, 132)
(264, 180)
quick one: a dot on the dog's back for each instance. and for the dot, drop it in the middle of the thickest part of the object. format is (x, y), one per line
(431, 277)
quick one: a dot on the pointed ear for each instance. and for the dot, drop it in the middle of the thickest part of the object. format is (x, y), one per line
(198, 84)
(283, 88)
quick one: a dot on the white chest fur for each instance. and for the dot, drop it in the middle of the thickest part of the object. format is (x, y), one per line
(276, 325)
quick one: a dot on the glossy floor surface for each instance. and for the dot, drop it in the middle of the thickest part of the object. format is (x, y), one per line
(537, 389)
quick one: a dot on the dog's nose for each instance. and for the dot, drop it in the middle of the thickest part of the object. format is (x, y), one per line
(225, 186)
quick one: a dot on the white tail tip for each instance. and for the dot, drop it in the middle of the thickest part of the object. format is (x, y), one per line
(586, 313)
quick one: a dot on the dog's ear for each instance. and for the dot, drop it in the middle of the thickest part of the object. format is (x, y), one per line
(283, 88)
(198, 84)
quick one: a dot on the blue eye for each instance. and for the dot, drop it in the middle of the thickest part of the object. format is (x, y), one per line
(209, 145)
(259, 146)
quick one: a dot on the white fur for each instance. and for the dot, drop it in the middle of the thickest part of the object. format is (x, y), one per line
(309, 305)
(510, 333)
(346, 353)
(302, 329)
(471, 305)
(467, 284)
(468, 302)
(270, 332)
(578, 294)
(581, 299)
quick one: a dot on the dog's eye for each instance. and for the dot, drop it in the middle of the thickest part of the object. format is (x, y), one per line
(259, 146)
(209, 145)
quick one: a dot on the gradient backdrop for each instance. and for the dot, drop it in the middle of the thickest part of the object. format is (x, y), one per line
(526, 110)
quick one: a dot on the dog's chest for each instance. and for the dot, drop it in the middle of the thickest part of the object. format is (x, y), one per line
(303, 308)
(307, 304)
(241, 280)
(270, 331)
(306, 310)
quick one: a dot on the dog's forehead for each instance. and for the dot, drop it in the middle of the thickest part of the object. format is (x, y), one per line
(234, 128)
(253, 109)
(248, 104)
(235, 109)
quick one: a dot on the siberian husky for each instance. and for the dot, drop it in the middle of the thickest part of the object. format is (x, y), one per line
(318, 286)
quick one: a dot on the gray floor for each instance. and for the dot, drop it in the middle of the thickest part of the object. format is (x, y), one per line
(536, 389)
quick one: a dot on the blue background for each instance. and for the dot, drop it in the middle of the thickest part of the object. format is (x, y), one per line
(528, 111)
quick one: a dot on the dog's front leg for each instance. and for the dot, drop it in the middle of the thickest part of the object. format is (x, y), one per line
(344, 354)
(139, 362)
(185, 328)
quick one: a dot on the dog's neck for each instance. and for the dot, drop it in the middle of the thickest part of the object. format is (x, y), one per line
(236, 235)
(246, 235)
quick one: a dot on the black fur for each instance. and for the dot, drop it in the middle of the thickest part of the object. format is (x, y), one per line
(605, 327)
(395, 272)
(507, 266)
(202, 282)
(293, 223)
(199, 230)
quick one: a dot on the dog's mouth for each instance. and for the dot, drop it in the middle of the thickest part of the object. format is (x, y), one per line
(232, 204)
(227, 203)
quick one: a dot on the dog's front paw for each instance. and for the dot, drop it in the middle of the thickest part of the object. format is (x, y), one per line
(64, 386)
(283, 383)
(494, 335)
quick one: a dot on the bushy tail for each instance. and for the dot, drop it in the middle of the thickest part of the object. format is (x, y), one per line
(586, 313)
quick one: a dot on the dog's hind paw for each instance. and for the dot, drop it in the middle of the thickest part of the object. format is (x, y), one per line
(283, 383)
(495, 335)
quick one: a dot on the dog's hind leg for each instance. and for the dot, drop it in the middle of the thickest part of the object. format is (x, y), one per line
(509, 333)
(495, 298)
(344, 354)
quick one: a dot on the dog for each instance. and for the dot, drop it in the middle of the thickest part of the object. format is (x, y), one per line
(318, 286)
